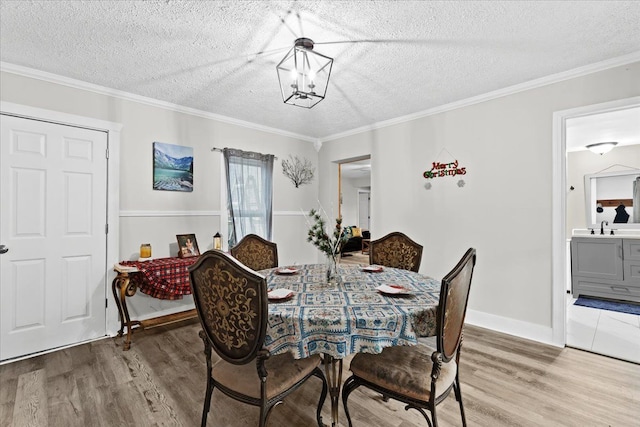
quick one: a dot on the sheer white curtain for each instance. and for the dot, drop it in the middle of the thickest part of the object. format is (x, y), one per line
(249, 193)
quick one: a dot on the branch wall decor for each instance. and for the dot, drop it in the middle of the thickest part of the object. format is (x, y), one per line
(298, 171)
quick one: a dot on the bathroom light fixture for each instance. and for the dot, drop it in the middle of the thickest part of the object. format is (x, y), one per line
(304, 74)
(602, 147)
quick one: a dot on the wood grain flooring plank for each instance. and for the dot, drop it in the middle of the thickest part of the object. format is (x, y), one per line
(506, 381)
(63, 399)
(183, 383)
(160, 409)
(31, 400)
(58, 362)
(8, 388)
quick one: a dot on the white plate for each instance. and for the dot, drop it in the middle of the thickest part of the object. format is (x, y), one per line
(280, 293)
(392, 289)
(372, 268)
(286, 270)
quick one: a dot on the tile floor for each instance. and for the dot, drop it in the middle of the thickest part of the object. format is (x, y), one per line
(602, 331)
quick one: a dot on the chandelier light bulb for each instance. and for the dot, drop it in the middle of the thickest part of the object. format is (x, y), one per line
(304, 74)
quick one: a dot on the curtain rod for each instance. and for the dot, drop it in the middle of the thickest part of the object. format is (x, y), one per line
(221, 150)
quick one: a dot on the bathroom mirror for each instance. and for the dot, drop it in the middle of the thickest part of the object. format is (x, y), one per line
(613, 197)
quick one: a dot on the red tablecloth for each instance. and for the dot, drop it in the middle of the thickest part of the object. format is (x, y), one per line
(163, 278)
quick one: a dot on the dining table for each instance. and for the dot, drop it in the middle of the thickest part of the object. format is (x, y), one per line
(365, 309)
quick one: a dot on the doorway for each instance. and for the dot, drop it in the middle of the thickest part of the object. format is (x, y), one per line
(54, 213)
(364, 208)
(354, 190)
(573, 326)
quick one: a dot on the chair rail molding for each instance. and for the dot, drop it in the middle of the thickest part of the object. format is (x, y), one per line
(133, 214)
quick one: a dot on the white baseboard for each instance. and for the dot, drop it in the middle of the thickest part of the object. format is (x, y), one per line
(518, 328)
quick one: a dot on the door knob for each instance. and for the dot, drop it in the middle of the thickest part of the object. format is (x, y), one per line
(3, 249)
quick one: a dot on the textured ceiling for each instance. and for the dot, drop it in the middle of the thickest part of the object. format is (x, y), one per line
(392, 58)
(621, 126)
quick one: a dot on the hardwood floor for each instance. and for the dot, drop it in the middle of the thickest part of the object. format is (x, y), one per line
(355, 258)
(505, 381)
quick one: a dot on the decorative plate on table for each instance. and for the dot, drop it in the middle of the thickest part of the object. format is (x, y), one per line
(372, 268)
(279, 294)
(287, 270)
(392, 290)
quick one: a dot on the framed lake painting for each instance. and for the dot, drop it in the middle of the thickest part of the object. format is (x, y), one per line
(172, 167)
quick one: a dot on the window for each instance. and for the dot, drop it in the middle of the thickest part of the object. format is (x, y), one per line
(249, 193)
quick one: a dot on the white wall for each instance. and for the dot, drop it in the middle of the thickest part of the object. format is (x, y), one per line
(504, 210)
(150, 216)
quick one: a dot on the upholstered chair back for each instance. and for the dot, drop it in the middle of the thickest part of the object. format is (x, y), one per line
(256, 252)
(454, 295)
(396, 250)
(231, 301)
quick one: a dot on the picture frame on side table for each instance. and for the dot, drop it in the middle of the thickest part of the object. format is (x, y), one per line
(187, 245)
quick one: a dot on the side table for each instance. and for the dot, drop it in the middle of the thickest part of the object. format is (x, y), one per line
(125, 285)
(365, 245)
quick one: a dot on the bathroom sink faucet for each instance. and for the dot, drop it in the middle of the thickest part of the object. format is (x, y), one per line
(602, 227)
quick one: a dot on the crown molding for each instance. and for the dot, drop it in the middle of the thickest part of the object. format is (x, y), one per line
(101, 90)
(510, 90)
(532, 84)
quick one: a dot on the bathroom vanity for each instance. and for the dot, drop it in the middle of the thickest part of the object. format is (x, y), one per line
(606, 266)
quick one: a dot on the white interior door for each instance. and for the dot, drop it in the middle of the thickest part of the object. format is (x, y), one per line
(52, 221)
(363, 209)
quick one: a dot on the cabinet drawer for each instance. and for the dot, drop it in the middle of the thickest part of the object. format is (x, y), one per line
(620, 291)
(632, 272)
(631, 249)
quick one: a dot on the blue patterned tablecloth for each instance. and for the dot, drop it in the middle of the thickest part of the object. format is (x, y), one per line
(349, 317)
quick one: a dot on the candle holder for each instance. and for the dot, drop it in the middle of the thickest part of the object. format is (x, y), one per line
(145, 251)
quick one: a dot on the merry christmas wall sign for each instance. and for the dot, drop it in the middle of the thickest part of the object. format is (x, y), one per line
(439, 170)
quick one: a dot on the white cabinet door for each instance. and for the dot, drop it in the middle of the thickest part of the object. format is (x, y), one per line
(53, 197)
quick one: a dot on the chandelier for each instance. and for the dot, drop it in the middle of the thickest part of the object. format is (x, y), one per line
(304, 74)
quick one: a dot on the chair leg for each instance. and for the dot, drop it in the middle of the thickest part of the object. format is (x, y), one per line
(323, 396)
(349, 385)
(458, 393)
(207, 401)
(434, 417)
(210, 385)
(264, 412)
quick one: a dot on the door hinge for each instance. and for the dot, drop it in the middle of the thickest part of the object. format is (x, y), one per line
(106, 303)
(106, 229)
(106, 153)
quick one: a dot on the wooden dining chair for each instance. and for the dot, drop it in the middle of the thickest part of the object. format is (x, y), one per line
(231, 302)
(396, 250)
(256, 253)
(420, 376)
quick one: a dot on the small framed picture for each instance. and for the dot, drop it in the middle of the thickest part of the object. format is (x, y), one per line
(187, 245)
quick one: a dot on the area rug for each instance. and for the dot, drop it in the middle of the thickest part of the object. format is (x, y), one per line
(622, 307)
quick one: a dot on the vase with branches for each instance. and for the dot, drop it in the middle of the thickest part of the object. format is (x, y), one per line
(328, 241)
